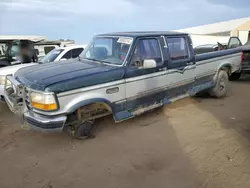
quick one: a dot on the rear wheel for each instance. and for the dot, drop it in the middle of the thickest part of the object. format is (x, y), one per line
(221, 86)
(235, 76)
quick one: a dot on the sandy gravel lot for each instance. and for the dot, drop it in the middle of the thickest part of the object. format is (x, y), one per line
(196, 142)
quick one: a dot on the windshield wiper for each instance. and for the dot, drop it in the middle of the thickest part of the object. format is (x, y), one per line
(96, 60)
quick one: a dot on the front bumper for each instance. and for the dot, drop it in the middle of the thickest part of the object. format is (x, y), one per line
(15, 97)
(44, 123)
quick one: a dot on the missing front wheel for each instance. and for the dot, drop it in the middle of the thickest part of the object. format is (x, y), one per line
(83, 130)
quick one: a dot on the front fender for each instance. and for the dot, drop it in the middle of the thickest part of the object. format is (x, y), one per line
(70, 103)
(89, 101)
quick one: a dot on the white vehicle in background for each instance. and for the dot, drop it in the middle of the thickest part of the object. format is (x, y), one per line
(44, 47)
(58, 54)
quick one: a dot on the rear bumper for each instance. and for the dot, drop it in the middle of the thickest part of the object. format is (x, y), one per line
(44, 123)
(245, 70)
(245, 67)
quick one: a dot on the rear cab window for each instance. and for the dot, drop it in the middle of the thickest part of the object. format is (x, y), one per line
(178, 50)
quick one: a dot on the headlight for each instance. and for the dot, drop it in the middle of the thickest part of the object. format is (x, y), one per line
(43, 101)
(2, 80)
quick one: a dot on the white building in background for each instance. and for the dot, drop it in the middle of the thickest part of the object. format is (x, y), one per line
(237, 27)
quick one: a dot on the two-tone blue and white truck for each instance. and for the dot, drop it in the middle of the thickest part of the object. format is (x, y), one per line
(123, 74)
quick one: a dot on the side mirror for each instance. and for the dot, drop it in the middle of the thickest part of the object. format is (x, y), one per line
(63, 59)
(149, 63)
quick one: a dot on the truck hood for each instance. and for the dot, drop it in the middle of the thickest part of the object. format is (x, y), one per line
(68, 75)
(13, 68)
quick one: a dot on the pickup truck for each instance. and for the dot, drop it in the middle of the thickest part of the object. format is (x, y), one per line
(123, 74)
(58, 54)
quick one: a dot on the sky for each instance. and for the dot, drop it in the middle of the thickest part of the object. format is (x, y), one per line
(81, 19)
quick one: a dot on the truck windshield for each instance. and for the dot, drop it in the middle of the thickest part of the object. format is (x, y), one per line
(110, 50)
(51, 56)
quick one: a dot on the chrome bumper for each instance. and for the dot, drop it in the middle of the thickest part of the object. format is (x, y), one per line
(44, 123)
(14, 94)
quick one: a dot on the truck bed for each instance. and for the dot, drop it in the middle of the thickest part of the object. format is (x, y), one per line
(230, 56)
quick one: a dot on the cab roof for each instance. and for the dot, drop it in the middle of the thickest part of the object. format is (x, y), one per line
(134, 34)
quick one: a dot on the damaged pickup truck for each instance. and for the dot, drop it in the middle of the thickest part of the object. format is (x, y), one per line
(123, 74)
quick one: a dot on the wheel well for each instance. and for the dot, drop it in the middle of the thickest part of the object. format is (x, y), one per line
(89, 112)
(227, 68)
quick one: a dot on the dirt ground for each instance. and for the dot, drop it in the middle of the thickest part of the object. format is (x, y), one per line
(196, 142)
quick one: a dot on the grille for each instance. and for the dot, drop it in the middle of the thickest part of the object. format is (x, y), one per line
(14, 92)
(11, 91)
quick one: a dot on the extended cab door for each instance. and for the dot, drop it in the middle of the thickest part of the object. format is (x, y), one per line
(181, 67)
(145, 86)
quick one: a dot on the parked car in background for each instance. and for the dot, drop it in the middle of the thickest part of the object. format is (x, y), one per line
(245, 58)
(44, 47)
(123, 74)
(58, 54)
(233, 42)
(208, 48)
(199, 40)
(65, 53)
(12, 48)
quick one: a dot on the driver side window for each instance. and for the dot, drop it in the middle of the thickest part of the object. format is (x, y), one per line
(146, 49)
